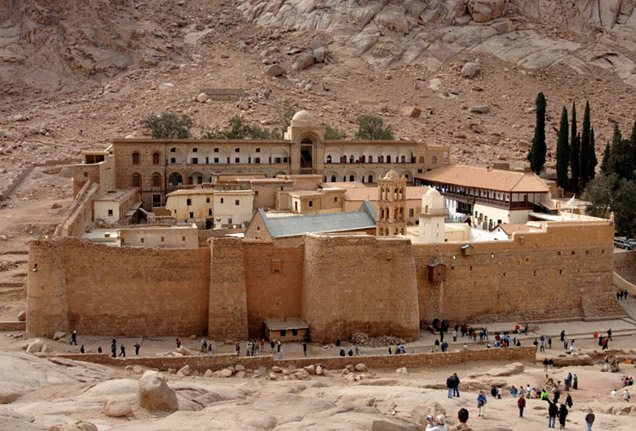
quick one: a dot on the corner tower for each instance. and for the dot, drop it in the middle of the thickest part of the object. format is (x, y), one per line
(392, 205)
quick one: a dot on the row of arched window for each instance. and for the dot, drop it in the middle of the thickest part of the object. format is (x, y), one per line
(156, 180)
(369, 159)
(398, 214)
(386, 231)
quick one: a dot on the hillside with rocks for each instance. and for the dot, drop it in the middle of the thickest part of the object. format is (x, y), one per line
(74, 76)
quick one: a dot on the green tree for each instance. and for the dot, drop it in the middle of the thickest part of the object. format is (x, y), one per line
(168, 126)
(536, 156)
(283, 122)
(632, 140)
(605, 167)
(575, 150)
(609, 194)
(372, 128)
(621, 158)
(239, 130)
(332, 134)
(593, 160)
(563, 150)
(585, 163)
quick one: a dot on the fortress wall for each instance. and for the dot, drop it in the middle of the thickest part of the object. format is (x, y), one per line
(625, 265)
(565, 271)
(80, 215)
(227, 307)
(273, 280)
(47, 301)
(359, 284)
(132, 291)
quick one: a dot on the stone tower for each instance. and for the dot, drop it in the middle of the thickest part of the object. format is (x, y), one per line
(431, 228)
(392, 205)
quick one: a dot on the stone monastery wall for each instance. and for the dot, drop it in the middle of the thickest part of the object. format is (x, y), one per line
(337, 284)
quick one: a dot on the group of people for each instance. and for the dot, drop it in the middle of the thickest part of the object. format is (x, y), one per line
(626, 395)
(113, 346)
(603, 342)
(621, 294)
(438, 422)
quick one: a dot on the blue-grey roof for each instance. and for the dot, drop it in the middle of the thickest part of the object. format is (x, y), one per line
(281, 227)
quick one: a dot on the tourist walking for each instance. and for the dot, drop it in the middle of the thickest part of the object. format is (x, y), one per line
(549, 342)
(626, 396)
(123, 351)
(589, 419)
(521, 403)
(82, 349)
(568, 401)
(305, 348)
(74, 337)
(563, 414)
(137, 347)
(449, 386)
(553, 411)
(481, 403)
(113, 348)
(178, 341)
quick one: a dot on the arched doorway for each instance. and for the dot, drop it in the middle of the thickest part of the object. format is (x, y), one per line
(306, 156)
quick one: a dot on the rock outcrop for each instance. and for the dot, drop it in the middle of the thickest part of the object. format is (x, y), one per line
(155, 394)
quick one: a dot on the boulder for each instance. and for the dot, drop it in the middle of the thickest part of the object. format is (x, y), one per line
(239, 367)
(487, 10)
(35, 346)
(155, 394)
(320, 54)
(319, 370)
(226, 372)
(303, 62)
(117, 408)
(410, 111)
(77, 426)
(471, 70)
(137, 369)
(58, 335)
(208, 373)
(480, 109)
(185, 371)
(277, 369)
(273, 376)
(22, 316)
(240, 374)
(401, 371)
(301, 374)
(274, 70)
(202, 97)
(310, 369)
(360, 367)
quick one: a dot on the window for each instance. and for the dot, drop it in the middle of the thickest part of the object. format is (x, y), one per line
(311, 204)
(155, 158)
(173, 150)
(221, 200)
(156, 180)
(110, 213)
(216, 160)
(173, 160)
(85, 174)
(207, 200)
(352, 178)
(162, 239)
(216, 150)
(410, 212)
(210, 211)
(229, 220)
(294, 332)
(237, 160)
(434, 160)
(194, 150)
(237, 150)
(188, 201)
(136, 180)
(191, 215)
(183, 238)
(257, 159)
(156, 200)
(258, 150)
(283, 332)
(328, 159)
(142, 240)
(335, 199)
(135, 158)
(195, 160)
(236, 202)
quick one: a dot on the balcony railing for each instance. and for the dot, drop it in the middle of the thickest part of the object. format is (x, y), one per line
(489, 201)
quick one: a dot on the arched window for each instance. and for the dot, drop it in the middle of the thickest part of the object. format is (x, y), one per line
(156, 180)
(421, 159)
(370, 178)
(136, 180)
(333, 178)
(388, 159)
(434, 160)
(343, 159)
(403, 159)
(135, 158)
(370, 159)
(380, 159)
(362, 159)
(352, 178)
(329, 159)
(175, 179)
(350, 159)
(155, 158)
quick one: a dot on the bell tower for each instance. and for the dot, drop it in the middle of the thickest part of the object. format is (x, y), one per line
(392, 202)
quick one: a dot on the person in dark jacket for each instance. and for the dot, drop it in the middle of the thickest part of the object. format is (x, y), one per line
(568, 401)
(521, 403)
(449, 386)
(589, 419)
(563, 414)
(553, 411)
(456, 385)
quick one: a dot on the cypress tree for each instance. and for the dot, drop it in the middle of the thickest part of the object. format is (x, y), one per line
(563, 150)
(621, 161)
(632, 150)
(585, 161)
(574, 159)
(536, 156)
(593, 161)
(605, 167)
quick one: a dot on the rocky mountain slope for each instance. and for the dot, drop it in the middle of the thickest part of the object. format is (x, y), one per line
(75, 74)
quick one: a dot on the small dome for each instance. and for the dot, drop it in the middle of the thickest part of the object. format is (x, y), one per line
(392, 175)
(302, 118)
(432, 192)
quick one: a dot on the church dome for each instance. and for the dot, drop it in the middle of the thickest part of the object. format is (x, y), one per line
(392, 175)
(302, 118)
(432, 192)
